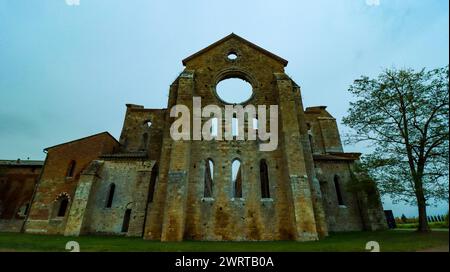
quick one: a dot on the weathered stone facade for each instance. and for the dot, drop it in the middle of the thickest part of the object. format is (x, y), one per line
(152, 186)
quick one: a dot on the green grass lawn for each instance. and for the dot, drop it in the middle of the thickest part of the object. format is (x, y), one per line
(432, 225)
(392, 240)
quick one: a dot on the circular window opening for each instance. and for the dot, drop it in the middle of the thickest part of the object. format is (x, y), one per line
(232, 56)
(234, 90)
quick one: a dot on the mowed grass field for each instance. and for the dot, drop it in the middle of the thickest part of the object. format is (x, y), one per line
(390, 240)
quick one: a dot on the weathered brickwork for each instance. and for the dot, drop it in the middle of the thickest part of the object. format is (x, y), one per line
(154, 187)
(17, 182)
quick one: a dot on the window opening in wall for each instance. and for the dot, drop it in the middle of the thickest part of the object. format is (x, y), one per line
(126, 220)
(338, 190)
(264, 176)
(71, 169)
(64, 202)
(236, 178)
(112, 189)
(209, 175)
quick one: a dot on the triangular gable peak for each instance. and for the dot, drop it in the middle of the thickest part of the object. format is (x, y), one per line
(234, 36)
(107, 134)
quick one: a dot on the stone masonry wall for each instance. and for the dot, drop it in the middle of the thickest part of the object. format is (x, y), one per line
(131, 179)
(223, 217)
(54, 180)
(345, 217)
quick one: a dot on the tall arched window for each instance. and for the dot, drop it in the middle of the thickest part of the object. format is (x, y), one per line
(71, 169)
(236, 177)
(264, 178)
(126, 220)
(235, 127)
(63, 204)
(209, 175)
(153, 178)
(214, 127)
(109, 201)
(338, 190)
(145, 135)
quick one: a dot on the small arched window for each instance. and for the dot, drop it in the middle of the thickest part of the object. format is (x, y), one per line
(147, 124)
(236, 178)
(209, 175)
(264, 178)
(71, 169)
(338, 190)
(109, 201)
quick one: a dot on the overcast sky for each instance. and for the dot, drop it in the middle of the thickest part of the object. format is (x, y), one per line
(67, 71)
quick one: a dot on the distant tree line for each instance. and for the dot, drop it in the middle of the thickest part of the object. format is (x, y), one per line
(431, 218)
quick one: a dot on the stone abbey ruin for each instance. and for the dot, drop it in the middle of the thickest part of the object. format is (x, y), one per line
(148, 185)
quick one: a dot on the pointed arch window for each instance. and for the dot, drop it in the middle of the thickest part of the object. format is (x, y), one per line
(236, 178)
(209, 176)
(264, 179)
(60, 205)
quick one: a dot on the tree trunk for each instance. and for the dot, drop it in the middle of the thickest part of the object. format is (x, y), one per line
(421, 204)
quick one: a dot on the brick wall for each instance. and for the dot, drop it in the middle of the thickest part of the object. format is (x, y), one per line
(55, 180)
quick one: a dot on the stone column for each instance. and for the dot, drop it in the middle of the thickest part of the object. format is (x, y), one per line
(78, 214)
(294, 161)
(177, 184)
(319, 211)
